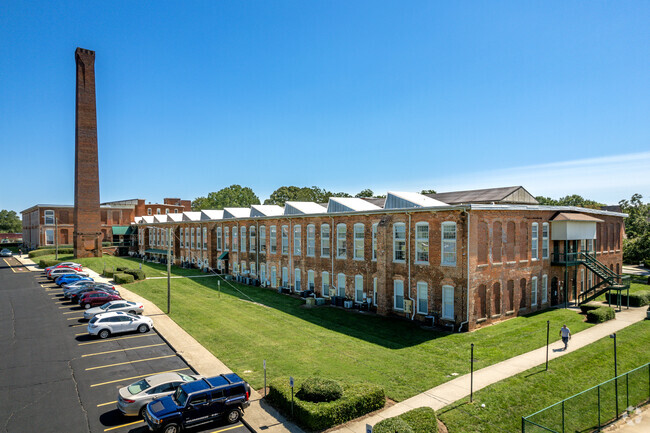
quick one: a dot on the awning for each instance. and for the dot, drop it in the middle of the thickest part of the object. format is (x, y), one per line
(155, 251)
(122, 230)
(223, 255)
(563, 216)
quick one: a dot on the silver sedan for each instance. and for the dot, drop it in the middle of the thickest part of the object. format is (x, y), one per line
(132, 400)
(121, 305)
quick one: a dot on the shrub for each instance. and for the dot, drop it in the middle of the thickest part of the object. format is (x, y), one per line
(638, 299)
(421, 420)
(49, 251)
(138, 274)
(46, 263)
(588, 307)
(357, 399)
(600, 315)
(109, 273)
(393, 425)
(121, 268)
(316, 389)
(123, 278)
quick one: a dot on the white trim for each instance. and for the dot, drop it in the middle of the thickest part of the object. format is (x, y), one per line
(341, 241)
(398, 292)
(421, 287)
(533, 292)
(448, 243)
(358, 288)
(422, 243)
(357, 229)
(325, 241)
(447, 306)
(401, 242)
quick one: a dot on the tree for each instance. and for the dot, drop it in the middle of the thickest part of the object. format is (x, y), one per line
(297, 193)
(569, 200)
(428, 191)
(232, 196)
(10, 222)
(365, 193)
(636, 248)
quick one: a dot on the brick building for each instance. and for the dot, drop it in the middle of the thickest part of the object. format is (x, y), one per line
(461, 264)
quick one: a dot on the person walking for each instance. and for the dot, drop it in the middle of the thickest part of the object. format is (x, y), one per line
(565, 333)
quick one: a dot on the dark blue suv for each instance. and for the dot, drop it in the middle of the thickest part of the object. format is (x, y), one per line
(225, 396)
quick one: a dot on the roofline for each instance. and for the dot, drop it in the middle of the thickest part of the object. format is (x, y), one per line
(70, 206)
(545, 208)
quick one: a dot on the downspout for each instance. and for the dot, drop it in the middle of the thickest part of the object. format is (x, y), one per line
(332, 256)
(257, 249)
(466, 322)
(409, 268)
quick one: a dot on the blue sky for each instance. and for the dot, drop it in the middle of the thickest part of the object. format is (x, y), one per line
(195, 96)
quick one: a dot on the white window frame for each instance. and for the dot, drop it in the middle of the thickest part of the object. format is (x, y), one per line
(285, 276)
(341, 241)
(534, 241)
(233, 235)
(49, 217)
(149, 212)
(422, 244)
(310, 280)
(358, 289)
(263, 239)
(219, 239)
(399, 245)
(447, 244)
(181, 236)
(398, 294)
(533, 292)
(325, 246)
(253, 269)
(544, 289)
(311, 240)
(325, 284)
(263, 272)
(358, 234)
(274, 277)
(374, 241)
(297, 281)
(242, 239)
(226, 239)
(447, 302)
(47, 240)
(192, 238)
(297, 238)
(252, 236)
(284, 233)
(340, 284)
(273, 240)
(422, 297)
(545, 233)
(205, 238)
(583, 281)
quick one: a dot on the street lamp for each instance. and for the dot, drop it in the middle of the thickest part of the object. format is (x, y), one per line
(615, 371)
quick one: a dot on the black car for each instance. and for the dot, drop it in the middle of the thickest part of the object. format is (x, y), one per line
(199, 402)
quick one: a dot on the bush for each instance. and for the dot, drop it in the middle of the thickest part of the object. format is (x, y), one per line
(316, 389)
(46, 263)
(421, 420)
(638, 299)
(588, 307)
(109, 273)
(357, 399)
(123, 278)
(393, 425)
(121, 268)
(600, 315)
(49, 251)
(138, 274)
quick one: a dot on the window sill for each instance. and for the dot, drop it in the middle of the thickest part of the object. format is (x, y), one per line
(484, 265)
(422, 263)
(495, 316)
(481, 320)
(448, 265)
(510, 313)
(511, 263)
(497, 264)
(341, 258)
(399, 261)
(358, 259)
(523, 261)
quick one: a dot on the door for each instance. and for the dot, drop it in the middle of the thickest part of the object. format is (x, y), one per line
(198, 409)
(555, 292)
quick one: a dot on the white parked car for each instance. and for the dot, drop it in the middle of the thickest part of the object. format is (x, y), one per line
(106, 324)
(110, 307)
(64, 271)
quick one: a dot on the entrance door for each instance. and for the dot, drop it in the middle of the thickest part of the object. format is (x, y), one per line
(555, 292)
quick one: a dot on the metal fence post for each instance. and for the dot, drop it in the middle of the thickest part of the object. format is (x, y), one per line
(627, 390)
(548, 330)
(598, 407)
(563, 416)
(471, 380)
(523, 425)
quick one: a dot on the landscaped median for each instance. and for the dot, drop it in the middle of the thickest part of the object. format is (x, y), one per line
(500, 407)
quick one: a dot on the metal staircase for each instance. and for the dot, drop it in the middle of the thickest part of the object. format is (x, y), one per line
(609, 280)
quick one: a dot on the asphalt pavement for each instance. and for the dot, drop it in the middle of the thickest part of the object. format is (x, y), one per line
(55, 377)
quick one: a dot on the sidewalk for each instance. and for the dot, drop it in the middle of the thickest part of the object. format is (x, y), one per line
(260, 416)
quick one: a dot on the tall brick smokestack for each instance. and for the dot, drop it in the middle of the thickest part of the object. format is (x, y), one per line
(87, 222)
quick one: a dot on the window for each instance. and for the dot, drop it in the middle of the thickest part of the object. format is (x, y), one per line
(253, 268)
(358, 241)
(297, 234)
(242, 239)
(374, 291)
(422, 243)
(226, 239)
(582, 280)
(192, 239)
(285, 277)
(311, 240)
(158, 211)
(544, 289)
(533, 241)
(341, 245)
(263, 272)
(187, 238)
(449, 244)
(243, 268)
(398, 295)
(341, 284)
(310, 280)
(399, 242)
(166, 211)
(273, 239)
(423, 298)
(296, 286)
(325, 284)
(175, 210)
(262, 239)
(533, 291)
(448, 302)
(253, 235)
(545, 240)
(590, 245)
(181, 236)
(285, 239)
(274, 277)
(49, 217)
(218, 239)
(324, 240)
(148, 211)
(205, 238)
(49, 237)
(234, 238)
(374, 241)
(358, 289)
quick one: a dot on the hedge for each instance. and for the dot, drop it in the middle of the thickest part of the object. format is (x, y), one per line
(123, 278)
(358, 399)
(316, 389)
(109, 273)
(49, 251)
(46, 263)
(588, 307)
(638, 299)
(600, 315)
(420, 420)
(138, 274)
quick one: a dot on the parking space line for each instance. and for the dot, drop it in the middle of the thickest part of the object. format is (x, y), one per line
(12, 269)
(71, 312)
(224, 429)
(116, 339)
(130, 362)
(107, 403)
(81, 324)
(75, 318)
(137, 377)
(123, 425)
(122, 350)
(82, 333)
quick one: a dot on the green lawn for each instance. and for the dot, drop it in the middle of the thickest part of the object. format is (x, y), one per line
(637, 285)
(528, 392)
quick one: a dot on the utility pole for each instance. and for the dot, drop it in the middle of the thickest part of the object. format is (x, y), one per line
(169, 268)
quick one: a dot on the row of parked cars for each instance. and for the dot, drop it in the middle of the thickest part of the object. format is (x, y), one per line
(168, 402)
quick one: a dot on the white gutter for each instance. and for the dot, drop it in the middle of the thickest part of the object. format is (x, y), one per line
(466, 322)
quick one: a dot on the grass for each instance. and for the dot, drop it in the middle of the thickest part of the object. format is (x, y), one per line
(244, 325)
(637, 285)
(521, 395)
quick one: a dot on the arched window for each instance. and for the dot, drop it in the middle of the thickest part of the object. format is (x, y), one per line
(399, 242)
(497, 242)
(341, 243)
(448, 230)
(358, 241)
(422, 242)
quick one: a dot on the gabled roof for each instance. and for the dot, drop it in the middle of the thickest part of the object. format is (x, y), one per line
(349, 204)
(147, 219)
(162, 218)
(302, 208)
(236, 212)
(509, 194)
(175, 217)
(208, 214)
(402, 200)
(564, 216)
(191, 216)
(377, 201)
(261, 210)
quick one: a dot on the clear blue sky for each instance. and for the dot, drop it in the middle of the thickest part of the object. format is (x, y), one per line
(346, 95)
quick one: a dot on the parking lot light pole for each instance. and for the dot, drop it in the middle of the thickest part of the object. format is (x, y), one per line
(169, 268)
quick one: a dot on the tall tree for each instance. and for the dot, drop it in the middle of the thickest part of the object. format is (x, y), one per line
(231, 196)
(365, 193)
(569, 200)
(636, 248)
(297, 193)
(10, 222)
(428, 191)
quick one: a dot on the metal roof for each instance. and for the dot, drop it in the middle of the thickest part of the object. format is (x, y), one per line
(564, 216)
(349, 204)
(191, 216)
(404, 199)
(236, 212)
(208, 214)
(175, 217)
(266, 210)
(302, 208)
(510, 194)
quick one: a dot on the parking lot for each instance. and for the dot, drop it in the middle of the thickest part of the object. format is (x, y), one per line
(61, 379)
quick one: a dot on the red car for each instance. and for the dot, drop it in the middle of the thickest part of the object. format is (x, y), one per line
(97, 298)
